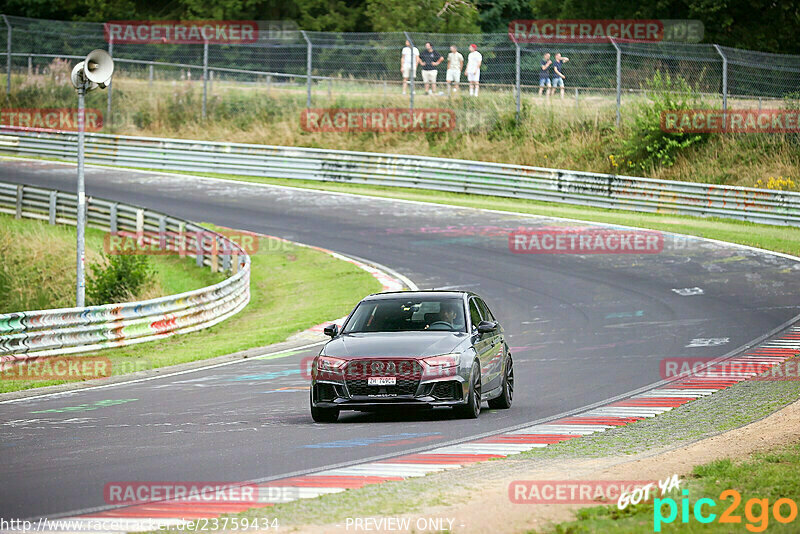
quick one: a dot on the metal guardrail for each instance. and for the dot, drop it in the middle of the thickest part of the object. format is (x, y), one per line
(32, 334)
(484, 178)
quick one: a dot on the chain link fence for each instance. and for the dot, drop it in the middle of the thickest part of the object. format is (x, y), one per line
(325, 69)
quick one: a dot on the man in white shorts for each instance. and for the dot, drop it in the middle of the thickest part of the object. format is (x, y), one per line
(430, 59)
(408, 67)
(473, 70)
(455, 62)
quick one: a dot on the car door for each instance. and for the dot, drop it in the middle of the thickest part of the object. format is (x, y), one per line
(483, 344)
(497, 340)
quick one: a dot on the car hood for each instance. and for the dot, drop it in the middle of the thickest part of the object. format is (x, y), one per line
(401, 344)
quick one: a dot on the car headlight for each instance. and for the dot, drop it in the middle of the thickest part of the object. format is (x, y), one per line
(330, 364)
(442, 365)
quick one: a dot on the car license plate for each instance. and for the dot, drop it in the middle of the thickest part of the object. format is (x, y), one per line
(381, 381)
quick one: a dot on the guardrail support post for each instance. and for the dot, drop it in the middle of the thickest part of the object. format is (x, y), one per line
(200, 248)
(516, 44)
(19, 202)
(226, 261)
(411, 73)
(162, 232)
(619, 78)
(214, 254)
(112, 218)
(205, 76)
(52, 211)
(8, 57)
(309, 53)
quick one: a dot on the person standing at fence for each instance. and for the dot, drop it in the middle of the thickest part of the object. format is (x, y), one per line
(455, 62)
(430, 59)
(544, 74)
(408, 66)
(558, 78)
(473, 70)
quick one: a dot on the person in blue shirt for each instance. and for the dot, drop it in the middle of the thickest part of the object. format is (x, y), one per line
(544, 74)
(558, 74)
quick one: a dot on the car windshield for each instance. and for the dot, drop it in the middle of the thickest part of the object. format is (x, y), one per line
(404, 314)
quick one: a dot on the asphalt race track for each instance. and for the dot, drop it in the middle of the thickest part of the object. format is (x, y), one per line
(582, 329)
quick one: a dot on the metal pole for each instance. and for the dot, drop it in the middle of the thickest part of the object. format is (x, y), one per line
(518, 80)
(619, 78)
(80, 299)
(150, 81)
(724, 86)
(108, 105)
(308, 68)
(205, 77)
(576, 98)
(412, 70)
(8, 58)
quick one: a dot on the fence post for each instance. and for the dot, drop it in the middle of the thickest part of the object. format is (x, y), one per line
(619, 77)
(150, 80)
(110, 120)
(724, 86)
(30, 66)
(516, 44)
(412, 71)
(8, 57)
(205, 77)
(52, 212)
(576, 98)
(308, 68)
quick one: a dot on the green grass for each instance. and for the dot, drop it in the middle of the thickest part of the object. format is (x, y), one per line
(51, 248)
(771, 476)
(550, 133)
(292, 288)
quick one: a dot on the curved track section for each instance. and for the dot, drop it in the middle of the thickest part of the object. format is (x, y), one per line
(582, 329)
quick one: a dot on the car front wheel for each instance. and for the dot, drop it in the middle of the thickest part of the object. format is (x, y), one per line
(505, 398)
(472, 408)
(324, 415)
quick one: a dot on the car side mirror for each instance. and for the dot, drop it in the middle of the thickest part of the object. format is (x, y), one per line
(331, 330)
(485, 327)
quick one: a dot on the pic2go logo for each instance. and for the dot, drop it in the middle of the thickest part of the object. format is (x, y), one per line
(756, 522)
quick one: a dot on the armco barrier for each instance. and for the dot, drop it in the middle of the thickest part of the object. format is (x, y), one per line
(33, 334)
(514, 181)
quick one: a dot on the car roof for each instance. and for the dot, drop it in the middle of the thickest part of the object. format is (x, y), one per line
(416, 294)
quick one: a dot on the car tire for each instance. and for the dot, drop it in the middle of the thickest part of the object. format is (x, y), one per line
(324, 415)
(503, 402)
(472, 409)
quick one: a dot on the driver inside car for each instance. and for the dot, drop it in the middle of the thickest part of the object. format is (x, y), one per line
(448, 314)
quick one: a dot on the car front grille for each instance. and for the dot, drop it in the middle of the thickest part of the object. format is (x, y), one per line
(407, 372)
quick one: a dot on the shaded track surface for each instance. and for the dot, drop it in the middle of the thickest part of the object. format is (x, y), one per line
(581, 328)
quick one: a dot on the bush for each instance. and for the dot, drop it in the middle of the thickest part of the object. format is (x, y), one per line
(648, 146)
(120, 279)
